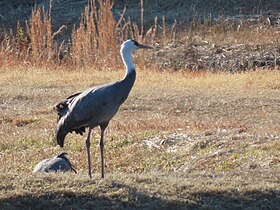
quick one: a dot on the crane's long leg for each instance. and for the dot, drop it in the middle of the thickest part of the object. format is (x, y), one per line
(102, 152)
(102, 127)
(88, 151)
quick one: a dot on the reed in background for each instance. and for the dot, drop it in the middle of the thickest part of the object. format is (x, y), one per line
(96, 39)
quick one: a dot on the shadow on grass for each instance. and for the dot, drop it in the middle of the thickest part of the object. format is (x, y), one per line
(137, 199)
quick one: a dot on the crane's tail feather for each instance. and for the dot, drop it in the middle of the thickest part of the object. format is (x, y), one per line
(80, 130)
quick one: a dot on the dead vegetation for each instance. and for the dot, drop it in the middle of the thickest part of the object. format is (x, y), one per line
(217, 44)
(94, 41)
(226, 45)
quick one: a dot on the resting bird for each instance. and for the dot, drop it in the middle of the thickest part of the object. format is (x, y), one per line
(96, 106)
(55, 164)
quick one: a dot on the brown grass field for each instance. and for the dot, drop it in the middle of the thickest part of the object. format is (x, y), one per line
(180, 141)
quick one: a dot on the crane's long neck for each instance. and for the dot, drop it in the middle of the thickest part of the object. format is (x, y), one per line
(130, 76)
(127, 60)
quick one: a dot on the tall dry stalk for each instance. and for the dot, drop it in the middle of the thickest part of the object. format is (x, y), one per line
(142, 19)
(21, 40)
(106, 23)
(95, 40)
(41, 35)
(49, 32)
(164, 30)
(174, 32)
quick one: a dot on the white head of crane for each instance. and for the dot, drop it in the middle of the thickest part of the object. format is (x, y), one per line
(126, 51)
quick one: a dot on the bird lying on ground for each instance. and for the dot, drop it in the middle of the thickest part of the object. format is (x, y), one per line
(59, 163)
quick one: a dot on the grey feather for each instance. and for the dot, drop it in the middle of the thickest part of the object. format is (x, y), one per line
(55, 164)
(93, 107)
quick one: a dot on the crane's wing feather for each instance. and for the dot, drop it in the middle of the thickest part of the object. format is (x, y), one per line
(75, 112)
(91, 107)
(62, 108)
(63, 105)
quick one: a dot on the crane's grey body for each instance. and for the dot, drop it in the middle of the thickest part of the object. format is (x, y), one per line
(96, 106)
(59, 163)
(93, 107)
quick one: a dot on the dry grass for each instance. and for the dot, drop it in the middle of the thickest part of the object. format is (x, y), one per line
(196, 140)
(95, 41)
(234, 31)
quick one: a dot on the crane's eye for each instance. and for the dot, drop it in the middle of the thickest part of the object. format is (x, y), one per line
(135, 43)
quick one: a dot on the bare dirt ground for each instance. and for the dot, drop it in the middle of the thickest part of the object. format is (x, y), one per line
(181, 141)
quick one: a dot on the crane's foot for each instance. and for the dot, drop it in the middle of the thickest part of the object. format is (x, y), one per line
(89, 174)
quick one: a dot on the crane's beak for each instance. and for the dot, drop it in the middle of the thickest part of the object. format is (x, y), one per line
(141, 46)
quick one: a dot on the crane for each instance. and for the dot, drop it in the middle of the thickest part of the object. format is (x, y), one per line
(55, 164)
(96, 106)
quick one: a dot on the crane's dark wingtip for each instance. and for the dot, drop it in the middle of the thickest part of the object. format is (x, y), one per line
(60, 143)
(60, 138)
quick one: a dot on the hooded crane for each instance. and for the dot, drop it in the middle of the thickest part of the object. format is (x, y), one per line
(96, 106)
(55, 164)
